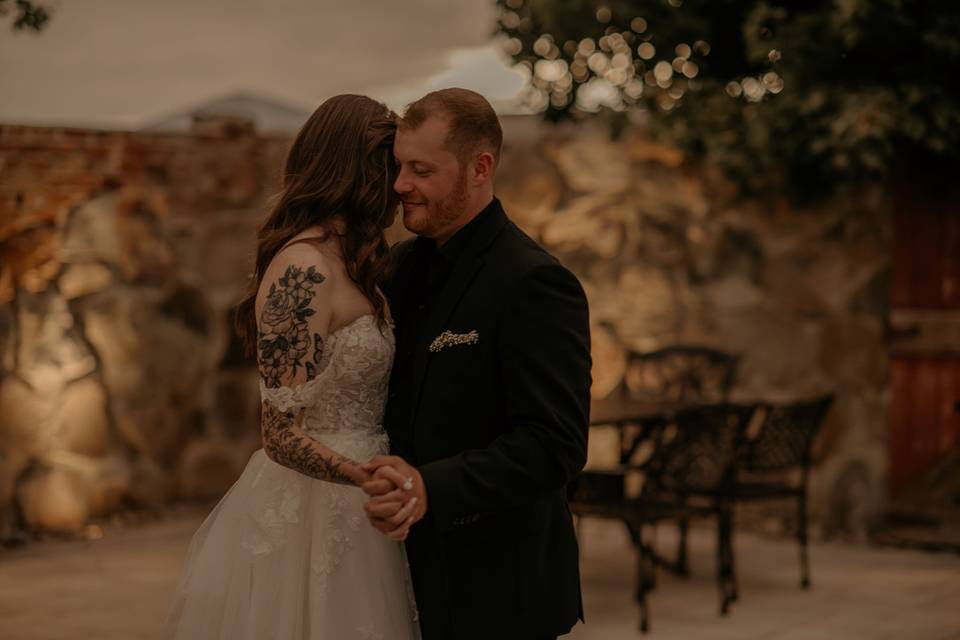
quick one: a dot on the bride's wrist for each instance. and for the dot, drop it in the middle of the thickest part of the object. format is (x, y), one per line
(356, 474)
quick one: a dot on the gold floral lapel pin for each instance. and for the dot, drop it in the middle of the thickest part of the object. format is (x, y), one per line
(451, 339)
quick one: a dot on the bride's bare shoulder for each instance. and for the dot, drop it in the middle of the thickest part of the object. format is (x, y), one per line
(298, 259)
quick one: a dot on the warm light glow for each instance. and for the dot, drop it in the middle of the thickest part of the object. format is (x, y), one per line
(550, 70)
(617, 77)
(773, 82)
(510, 20)
(690, 69)
(596, 93)
(753, 89)
(634, 89)
(579, 71)
(512, 46)
(542, 45)
(646, 51)
(662, 71)
(598, 63)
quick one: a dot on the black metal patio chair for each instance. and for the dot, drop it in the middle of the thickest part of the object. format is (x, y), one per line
(682, 374)
(782, 445)
(682, 469)
(704, 484)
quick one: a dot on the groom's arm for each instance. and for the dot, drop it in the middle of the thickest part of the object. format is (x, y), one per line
(545, 369)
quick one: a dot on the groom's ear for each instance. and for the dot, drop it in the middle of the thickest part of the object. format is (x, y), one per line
(483, 166)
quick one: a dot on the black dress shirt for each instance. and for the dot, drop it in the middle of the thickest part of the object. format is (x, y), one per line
(432, 264)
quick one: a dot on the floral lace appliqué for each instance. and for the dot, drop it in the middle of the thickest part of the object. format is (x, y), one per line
(369, 632)
(343, 408)
(279, 509)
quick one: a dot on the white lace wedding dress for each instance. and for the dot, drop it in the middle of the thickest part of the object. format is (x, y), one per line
(285, 556)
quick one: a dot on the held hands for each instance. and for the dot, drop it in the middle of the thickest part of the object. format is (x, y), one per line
(398, 497)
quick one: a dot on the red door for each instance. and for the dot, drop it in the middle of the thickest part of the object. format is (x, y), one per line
(925, 421)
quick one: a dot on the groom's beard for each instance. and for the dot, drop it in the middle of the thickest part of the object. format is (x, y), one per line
(434, 216)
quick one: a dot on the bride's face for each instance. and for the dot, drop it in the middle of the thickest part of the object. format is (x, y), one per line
(431, 183)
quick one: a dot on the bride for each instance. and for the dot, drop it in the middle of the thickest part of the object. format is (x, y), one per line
(288, 552)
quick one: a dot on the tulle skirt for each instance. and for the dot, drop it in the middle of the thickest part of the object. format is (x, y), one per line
(284, 556)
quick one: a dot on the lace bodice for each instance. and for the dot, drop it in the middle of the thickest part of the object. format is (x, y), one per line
(344, 403)
(287, 555)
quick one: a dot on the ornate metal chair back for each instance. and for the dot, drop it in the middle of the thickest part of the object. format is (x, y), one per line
(680, 374)
(785, 436)
(699, 449)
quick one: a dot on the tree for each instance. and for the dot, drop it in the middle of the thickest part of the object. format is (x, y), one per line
(809, 95)
(27, 15)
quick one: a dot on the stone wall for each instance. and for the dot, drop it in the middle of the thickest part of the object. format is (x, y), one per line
(123, 253)
(669, 255)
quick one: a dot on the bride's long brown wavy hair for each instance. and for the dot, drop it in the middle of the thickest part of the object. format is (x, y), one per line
(341, 163)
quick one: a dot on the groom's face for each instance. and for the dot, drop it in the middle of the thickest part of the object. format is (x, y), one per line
(431, 183)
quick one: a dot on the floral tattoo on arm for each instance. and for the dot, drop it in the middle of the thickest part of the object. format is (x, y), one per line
(283, 347)
(284, 331)
(287, 446)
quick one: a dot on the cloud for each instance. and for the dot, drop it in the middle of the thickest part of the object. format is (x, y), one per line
(483, 69)
(116, 63)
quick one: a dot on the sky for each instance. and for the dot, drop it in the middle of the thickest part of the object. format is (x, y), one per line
(127, 63)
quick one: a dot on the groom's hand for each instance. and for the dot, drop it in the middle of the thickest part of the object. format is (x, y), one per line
(398, 496)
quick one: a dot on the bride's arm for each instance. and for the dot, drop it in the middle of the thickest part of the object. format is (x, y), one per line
(293, 321)
(287, 444)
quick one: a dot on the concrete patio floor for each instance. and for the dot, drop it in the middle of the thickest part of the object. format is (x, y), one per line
(858, 592)
(117, 588)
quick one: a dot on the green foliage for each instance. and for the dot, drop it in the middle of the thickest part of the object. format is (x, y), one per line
(810, 95)
(27, 15)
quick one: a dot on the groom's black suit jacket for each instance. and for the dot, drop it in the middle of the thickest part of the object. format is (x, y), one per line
(495, 419)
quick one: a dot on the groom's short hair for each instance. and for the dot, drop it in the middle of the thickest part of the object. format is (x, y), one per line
(473, 122)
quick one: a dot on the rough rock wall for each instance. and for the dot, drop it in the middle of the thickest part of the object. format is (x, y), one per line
(669, 255)
(121, 255)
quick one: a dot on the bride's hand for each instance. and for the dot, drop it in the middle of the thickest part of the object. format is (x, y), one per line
(384, 479)
(398, 496)
(390, 509)
(358, 475)
(393, 519)
(387, 485)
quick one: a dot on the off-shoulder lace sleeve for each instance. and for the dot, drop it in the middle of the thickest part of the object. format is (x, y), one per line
(303, 395)
(288, 398)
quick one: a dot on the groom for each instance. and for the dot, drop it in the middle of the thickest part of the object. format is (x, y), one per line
(489, 395)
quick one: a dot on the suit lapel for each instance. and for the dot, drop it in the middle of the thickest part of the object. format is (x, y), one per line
(457, 284)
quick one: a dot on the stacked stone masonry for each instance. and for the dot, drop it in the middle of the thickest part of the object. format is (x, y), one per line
(122, 254)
